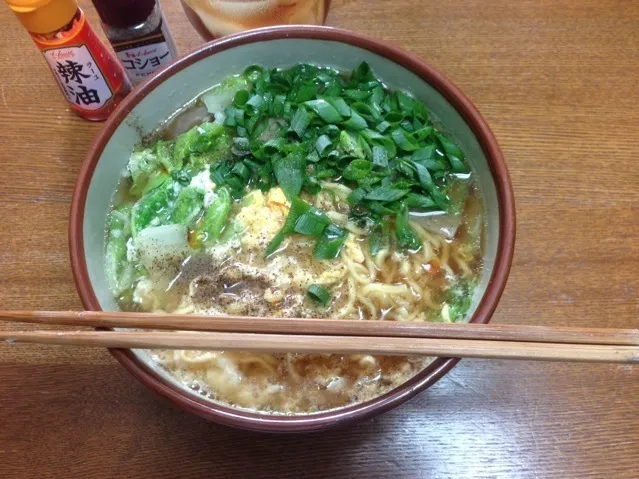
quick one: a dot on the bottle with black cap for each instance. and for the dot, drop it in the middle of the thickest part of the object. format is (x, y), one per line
(139, 35)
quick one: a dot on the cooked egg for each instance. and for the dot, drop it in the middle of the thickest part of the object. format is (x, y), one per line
(259, 220)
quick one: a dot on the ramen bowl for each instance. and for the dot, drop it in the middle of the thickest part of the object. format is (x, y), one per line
(161, 96)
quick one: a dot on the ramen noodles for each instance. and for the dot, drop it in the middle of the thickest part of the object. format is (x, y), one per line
(303, 192)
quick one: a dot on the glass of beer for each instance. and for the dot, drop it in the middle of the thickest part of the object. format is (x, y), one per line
(216, 18)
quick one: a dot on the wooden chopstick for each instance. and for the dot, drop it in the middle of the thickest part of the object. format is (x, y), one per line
(327, 327)
(330, 336)
(463, 348)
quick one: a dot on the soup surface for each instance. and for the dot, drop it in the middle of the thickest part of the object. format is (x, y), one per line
(303, 192)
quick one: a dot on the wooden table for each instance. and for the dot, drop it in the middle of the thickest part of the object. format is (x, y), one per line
(558, 81)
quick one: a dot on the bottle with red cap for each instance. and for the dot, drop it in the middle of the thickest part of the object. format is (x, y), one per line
(139, 35)
(89, 76)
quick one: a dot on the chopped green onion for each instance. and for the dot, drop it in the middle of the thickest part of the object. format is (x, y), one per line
(428, 184)
(383, 126)
(311, 223)
(406, 237)
(298, 208)
(376, 98)
(330, 242)
(324, 110)
(306, 92)
(312, 184)
(322, 143)
(319, 293)
(357, 195)
(378, 238)
(375, 138)
(300, 121)
(358, 169)
(240, 170)
(240, 98)
(413, 200)
(313, 157)
(256, 103)
(253, 72)
(363, 73)
(274, 245)
(277, 106)
(340, 105)
(380, 156)
(404, 140)
(405, 102)
(289, 172)
(454, 154)
(394, 118)
(296, 128)
(269, 148)
(420, 134)
(355, 122)
(241, 143)
(366, 111)
(385, 193)
(357, 95)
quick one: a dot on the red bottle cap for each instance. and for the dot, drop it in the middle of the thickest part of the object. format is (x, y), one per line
(123, 13)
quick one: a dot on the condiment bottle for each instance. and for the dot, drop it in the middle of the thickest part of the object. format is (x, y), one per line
(89, 76)
(139, 35)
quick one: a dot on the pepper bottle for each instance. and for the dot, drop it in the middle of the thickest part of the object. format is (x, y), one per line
(139, 34)
(89, 76)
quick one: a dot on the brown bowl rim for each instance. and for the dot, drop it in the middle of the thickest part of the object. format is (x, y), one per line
(319, 421)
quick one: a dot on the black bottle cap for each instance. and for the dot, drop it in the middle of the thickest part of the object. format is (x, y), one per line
(123, 13)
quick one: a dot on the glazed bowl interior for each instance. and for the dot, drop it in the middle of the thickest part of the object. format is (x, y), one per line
(159, 99)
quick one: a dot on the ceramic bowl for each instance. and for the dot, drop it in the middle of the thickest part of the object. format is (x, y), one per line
(158, 98)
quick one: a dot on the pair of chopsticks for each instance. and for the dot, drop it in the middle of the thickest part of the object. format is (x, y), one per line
(260, 334)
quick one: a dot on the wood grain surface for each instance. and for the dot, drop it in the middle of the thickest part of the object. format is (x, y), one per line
(558, 82)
